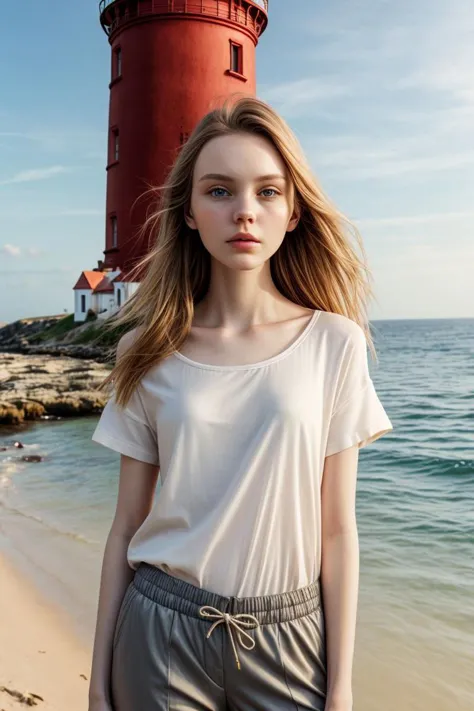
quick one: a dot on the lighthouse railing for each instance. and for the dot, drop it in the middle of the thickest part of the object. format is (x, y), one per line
(189, 5)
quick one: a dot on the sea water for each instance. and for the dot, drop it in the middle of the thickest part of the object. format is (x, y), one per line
(415, 511)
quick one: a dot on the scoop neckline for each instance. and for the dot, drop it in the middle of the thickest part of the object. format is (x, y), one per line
(259, 364)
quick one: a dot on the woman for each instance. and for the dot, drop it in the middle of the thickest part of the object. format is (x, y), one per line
(243, 380)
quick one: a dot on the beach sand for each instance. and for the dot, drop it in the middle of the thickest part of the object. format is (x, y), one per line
(404, 662)
(39, 652)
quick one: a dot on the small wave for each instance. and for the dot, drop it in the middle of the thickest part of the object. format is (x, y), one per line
(435, 466)
(423, 414)
(469, 415)
(33, 517)
(405, 460)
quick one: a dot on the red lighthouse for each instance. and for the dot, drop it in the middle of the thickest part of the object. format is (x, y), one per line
(171, 60)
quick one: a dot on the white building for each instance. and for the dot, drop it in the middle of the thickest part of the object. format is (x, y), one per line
(104, 292)
(123, 289)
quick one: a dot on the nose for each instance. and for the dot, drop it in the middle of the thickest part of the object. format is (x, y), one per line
(244, 213)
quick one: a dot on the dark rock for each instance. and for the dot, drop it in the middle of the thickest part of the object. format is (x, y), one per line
(24, 698)
(10, 415)
(31, 410)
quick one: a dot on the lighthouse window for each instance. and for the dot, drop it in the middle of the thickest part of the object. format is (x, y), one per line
(116, 144)
(113, 224)
(236, 58)
(83, 303)
(118, 62)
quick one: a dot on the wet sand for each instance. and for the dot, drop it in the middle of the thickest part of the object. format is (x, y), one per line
(42, 662)
(407, 655)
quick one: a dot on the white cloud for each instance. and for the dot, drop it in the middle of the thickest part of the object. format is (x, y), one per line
(32, 214)
(449, 75)
(406, 221)
(366, 156)
(394, 84)
(14, 251)
(11, 250)
(443, 260)
(446, 55)
(59, 140)
(294, 97)
(35, 174)
(425, 281)
(401, 62)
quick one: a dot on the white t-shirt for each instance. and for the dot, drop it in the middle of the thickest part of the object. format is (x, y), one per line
(241, 450)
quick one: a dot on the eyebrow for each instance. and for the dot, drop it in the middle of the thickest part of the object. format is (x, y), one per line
(261, 178)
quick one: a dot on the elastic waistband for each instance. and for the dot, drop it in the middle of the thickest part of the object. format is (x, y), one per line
(188, 599)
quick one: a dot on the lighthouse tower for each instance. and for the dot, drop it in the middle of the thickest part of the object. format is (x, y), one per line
(171, 61)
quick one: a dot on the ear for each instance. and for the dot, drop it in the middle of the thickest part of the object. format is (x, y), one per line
(189, 219)
(296, 210)
(294, 220)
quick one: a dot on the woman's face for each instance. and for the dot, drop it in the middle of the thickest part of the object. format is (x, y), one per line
(240, 185)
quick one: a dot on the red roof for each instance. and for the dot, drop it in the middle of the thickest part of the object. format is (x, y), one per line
(89, 280)
(104, 287)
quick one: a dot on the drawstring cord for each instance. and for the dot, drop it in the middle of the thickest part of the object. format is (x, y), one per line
(237, 621)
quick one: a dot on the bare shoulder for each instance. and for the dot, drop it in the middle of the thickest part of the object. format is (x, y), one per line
(127, 340)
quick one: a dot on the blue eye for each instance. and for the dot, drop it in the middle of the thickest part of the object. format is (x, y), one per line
(214, 190)
(224, 190)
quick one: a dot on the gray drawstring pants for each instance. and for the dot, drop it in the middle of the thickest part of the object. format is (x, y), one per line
(178, 647)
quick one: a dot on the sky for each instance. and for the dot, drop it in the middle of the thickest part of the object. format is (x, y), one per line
(379, 93)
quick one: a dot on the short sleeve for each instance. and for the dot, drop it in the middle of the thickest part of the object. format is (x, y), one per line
(358, 416)
(127, 431)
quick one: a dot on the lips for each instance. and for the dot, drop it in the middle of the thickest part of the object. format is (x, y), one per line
(244, 237)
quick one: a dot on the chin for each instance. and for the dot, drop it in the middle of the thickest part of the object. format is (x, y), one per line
(240, 262)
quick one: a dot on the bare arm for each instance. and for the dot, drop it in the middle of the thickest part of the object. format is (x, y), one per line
(137, 486)
(135, 498)
(340, 573)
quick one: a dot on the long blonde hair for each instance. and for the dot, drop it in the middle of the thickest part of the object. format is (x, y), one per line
(316, 265)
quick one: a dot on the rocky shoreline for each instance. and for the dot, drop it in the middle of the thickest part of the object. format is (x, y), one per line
(35, 336)
(38, 386)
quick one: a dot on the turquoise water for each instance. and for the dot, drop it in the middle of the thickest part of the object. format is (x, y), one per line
(415, 508)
